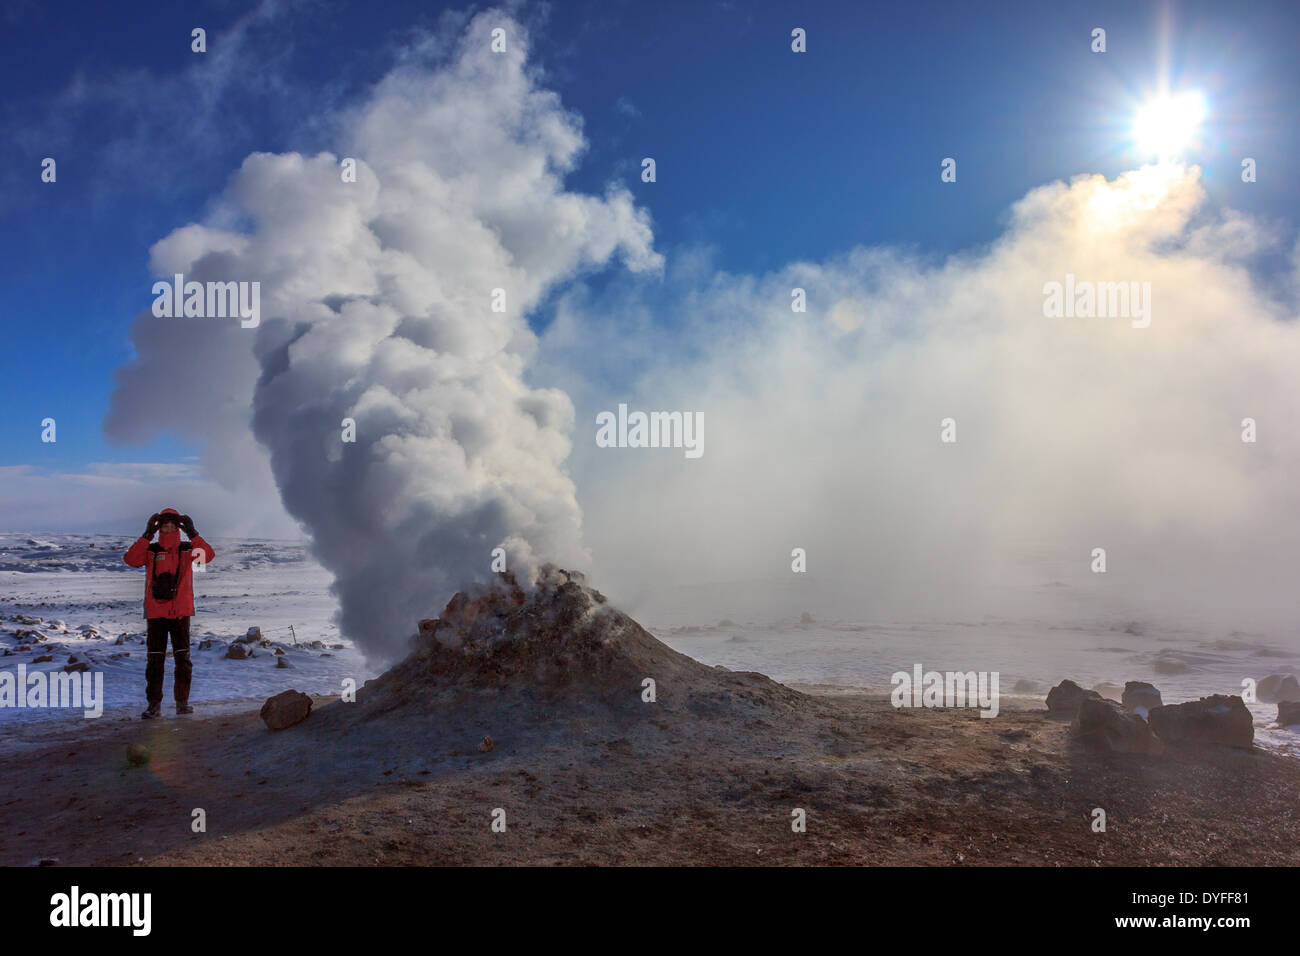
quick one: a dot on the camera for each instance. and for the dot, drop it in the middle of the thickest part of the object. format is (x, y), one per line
(165, 586)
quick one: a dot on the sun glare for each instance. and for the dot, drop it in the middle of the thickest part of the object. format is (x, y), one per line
(1166, 126)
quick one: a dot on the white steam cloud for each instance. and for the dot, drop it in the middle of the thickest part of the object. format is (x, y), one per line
(823, 428)
(378, 301)
(1072, 433)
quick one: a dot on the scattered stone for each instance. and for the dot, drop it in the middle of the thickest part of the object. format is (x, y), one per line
(286, 709)
(1218, 719)
(72, 659)
(137, 755)
(486, 745)
(237, 652)
(1139, 697)
(1109, 691)
(1106, 725)
(1288, 713)
(1064, 699)
(79, 666)
(282, 662)
(253, 635)
(1277, 688)
(43, 659)
(1164, 664)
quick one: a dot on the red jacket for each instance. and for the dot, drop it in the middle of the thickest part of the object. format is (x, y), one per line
(166, 556)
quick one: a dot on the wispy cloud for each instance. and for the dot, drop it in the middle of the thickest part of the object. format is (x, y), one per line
(135, 130)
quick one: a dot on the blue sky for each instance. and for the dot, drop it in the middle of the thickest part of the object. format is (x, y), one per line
(764, 157)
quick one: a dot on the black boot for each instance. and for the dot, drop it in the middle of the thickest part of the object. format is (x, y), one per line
(153, 710)
(184, 708)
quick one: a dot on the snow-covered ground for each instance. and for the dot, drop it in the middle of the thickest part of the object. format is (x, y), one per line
(65, 584)
(82, 600)
(1030, 656)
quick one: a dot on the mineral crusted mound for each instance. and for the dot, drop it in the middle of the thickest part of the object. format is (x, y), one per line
(561, 648)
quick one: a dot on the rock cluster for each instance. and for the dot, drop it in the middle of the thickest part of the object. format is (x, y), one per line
(1142, 724)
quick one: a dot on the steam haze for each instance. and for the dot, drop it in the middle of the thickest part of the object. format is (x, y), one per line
(378, 304)
(1072, 433)
(822, 428)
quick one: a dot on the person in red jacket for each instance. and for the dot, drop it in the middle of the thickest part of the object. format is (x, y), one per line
(168, 601)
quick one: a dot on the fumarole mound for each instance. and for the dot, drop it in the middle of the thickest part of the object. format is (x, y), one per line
(560, 647)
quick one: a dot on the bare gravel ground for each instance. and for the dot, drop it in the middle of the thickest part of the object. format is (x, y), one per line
(711, 781)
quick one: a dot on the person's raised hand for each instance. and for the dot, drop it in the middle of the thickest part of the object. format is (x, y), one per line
(151, 528)
(187, 525)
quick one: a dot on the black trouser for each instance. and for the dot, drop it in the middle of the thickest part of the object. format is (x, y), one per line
(156, 642)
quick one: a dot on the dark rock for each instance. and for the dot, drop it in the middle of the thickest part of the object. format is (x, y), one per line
(1288, 713)
(1139, 697)
(286, 709)
(237, 652)
(1106, 725)
(79, 666)
(282, 662)
(1278, 687)
(42, 659)
(137, 755)
(1219, 720)
(1064, 699)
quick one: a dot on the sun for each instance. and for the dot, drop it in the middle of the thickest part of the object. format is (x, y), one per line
(1167, 125)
